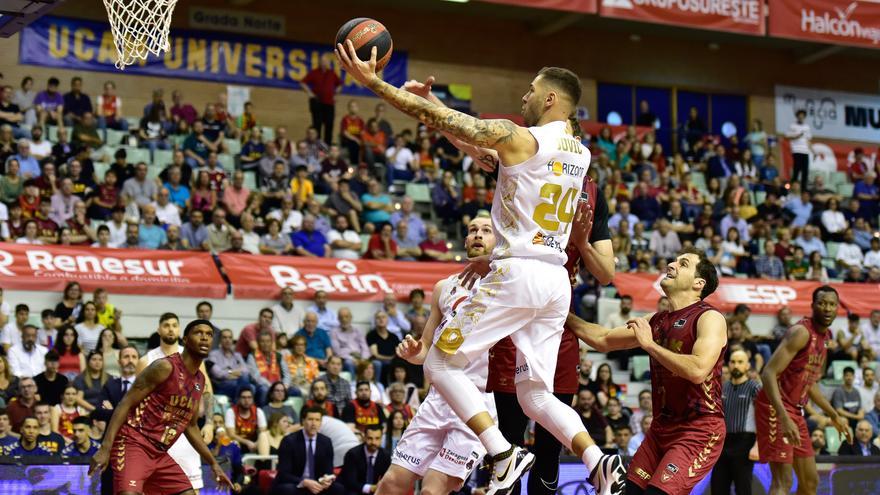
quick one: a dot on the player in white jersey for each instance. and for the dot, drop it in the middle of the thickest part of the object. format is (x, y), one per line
(525, 294)
(181, 451)
(437, 446)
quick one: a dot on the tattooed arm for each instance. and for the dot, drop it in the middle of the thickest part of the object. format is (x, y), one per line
(513, 143)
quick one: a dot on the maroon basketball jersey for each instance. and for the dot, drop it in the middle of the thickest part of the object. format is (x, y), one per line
(805, 368)
(166, 412)
(676, 399)
(502, 356)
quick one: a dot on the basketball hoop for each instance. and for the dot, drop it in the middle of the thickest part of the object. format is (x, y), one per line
(139, 27)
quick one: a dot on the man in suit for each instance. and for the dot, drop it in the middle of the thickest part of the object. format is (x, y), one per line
(862, 444)
(116, 388)
(365, 464)
(305, 460)
(718, 165)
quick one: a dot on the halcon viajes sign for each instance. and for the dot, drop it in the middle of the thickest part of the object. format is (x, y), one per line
(827, 21)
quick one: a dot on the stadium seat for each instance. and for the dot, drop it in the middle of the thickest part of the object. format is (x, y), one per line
(320, 198)
(101, 168)
(177, 141)
(832, 440)
(814, 173)
(365, 242)
(227, 162)
(162, 158)
(296, 403)
(838, 366)
(233, 146)
(268, 133)
(760, 196)
(114, 137)
(837, 178)
(845, 190)
(250, 181)
(832, 248)
(420, 193)
(221, 401)
(639, 365)
(153, 172)
(133, 122)
(346, 375)
(699, 180)
(137, 155)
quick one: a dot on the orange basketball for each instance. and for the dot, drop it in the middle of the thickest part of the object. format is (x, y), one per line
(365, 33)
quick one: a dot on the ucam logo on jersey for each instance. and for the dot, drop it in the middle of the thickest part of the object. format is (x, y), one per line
(128, 271)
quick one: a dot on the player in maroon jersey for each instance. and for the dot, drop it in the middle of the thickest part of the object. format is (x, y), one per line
(590, 245)
(162, 404)
(790, 380)
(686, 346)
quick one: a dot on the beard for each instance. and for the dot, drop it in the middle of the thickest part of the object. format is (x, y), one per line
(169, 339)
(736, 374)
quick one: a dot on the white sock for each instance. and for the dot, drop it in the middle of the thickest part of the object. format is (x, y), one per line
(592, 456)
(494, 441)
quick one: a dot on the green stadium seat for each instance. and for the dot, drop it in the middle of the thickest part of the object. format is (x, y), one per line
(365, 241)
(177, 141)
(295, 403)
(760, 196)
(845, 190)
(639, 365)
(699, 180)
(52, 133)
(832, 248)
(320, 198)
(814, 173)
(133, 122)
(268, 133)
(137, 155)
(227, 162)
(346, 375)
(233, 146)
(163, 158)
(420, 193)
(832, 440)
(114, 137)
(837, 178)
(153, 171)
(101, 168)
(838, 366)
(250, 181)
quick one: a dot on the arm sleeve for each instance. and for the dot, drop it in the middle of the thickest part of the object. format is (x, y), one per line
(600, 230)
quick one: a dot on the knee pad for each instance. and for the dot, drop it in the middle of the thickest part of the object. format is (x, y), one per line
(532, 397)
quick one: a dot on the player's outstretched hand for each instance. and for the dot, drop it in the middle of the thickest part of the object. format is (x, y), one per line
(409, 347)
(790, 431)
(582, 224)
(842, 425)
(642, 329)
(476, 268)
(362, 71)
(99, 461)
(223, 480)
(417, 88)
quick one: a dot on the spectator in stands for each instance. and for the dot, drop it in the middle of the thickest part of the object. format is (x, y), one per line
(664, 241)
(434, 248)
(382, 343)
(868, 388)
(382, 245)
(89, 328)
(50, 104)
(401, 161)
(301, 187)
(811, 242)
(132, 237)
(278, 404)
(350, 128)
(28, 165)
(398, 323)
(348, 341)
(181, 110)
(365, 464)
(175, 242)
(27, 359)
(166, 212)
(291, 219)
(303, 368)
(445, 197)
(849, 255)
(308, 241)
(151, 131)
(10, 113)
(8, 143)
(817, 271)
(197, 146)
(85, 134)
(76, 103)
(229, 372)
(287, 316)
(321, 85)
(374, 144)
(235, 197)
(861, 445)
(48, 439)
(51, 384)
(12, 331)
(268, 441)
(115, 389)
(417, 305)
(41, 148)
(318, 397)
(817, 438)
(90, 382)
(139, 189)
(266, 366)
(362, 411)
(247, 339)
(266, 166)
(250, 238)
(800, 137)
(109, 109)
(800, 207)
(204, 192)
(344, 202)
(870, 328)
(344, 242)
(798, 266)
(407, 244)
(847, 400)
(417, 227)
(623, 213)
(318, 345)
(71, 358)
(306, 460)
(27, 444)
(215, 127)
(82, 445)
(302, 158)
(11, 184)
(151, 235)
(733, 220)
(219, 232)
(592, 418)
(868, 194)
(244, 421)
(63, 202)
(377, 204)
(873, 416)
(768, 265)
(326, 316)
(194, 234)
(273, 241)
(20, 396)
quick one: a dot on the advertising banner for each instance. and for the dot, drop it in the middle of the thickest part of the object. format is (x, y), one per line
(739, 16)
(842, 22)
(123, 271)
(263, 277)
(225, 58)
(581, 6)
(830, 114)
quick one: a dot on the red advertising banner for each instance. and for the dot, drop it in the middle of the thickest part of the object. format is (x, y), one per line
(124, 271)
(581, 6)
(830, 157)
(762, 296)
(263, 277)
(842, 22)
(740, 16)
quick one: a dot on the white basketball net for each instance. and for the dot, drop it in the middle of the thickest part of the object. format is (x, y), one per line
(140, 27)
